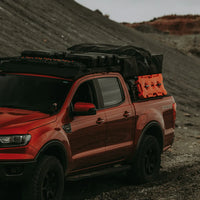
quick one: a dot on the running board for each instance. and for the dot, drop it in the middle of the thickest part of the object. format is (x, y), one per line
(114, 169)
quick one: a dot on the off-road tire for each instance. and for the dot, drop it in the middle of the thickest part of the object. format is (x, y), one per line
(47, 182)
(146, 165)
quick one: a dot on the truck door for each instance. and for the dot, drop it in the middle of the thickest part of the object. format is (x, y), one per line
(120, 118)
(87, 139)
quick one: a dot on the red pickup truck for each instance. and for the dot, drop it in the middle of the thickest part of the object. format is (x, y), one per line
(53, 127)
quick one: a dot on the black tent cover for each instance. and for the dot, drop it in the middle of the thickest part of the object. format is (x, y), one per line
(84, 59)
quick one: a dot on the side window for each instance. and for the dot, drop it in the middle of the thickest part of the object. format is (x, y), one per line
(111, 90)
(85, 93)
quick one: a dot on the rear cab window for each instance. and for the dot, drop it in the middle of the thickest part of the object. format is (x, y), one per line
(111, 91)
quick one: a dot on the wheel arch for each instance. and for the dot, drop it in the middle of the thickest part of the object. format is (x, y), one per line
(152, 128)
(54, 148)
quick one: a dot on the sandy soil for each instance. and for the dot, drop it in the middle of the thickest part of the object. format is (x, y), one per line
(57, 24)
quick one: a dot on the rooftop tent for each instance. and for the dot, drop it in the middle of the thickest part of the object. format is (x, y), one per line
(135, 61)
(84, 59)
(129, 50)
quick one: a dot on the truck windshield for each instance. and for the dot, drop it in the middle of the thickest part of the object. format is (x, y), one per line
(35, 93)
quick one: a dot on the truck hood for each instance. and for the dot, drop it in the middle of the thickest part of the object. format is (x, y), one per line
(21, 120)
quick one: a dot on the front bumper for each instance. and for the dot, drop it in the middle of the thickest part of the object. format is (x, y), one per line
(16, 171)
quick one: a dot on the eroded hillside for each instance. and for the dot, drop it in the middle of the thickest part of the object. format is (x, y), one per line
(58, 24)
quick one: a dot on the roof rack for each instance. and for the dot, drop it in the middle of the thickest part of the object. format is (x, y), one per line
(44, 54)
(85, 59)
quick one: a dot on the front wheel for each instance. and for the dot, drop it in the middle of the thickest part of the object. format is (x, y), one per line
(47, 182)
(146, 166)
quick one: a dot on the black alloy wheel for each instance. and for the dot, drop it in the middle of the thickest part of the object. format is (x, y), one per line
(47, 182)
(50, 185)
(150, 160)
(146, 165)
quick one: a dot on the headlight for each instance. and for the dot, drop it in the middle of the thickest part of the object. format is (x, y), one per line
(14, 140)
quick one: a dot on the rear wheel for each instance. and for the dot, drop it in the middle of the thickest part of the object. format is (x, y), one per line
(47, 181)
(146, 166)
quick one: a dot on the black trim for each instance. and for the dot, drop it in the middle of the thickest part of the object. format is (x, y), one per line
(67, 128)
(146, 128)
(26, 167)
(25, 170)
(94, 93)
(98, 93)
(122, 90)
(51, 144)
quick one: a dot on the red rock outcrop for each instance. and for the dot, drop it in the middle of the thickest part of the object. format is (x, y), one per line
(172, 24)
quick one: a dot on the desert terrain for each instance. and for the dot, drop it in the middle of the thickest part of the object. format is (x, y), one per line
(179, 31)
(58, 24)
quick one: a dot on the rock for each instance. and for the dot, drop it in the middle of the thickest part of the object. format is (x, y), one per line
(187, 115)
(189, 124)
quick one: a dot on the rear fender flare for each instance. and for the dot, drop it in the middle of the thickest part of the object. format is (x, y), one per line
(146, 131)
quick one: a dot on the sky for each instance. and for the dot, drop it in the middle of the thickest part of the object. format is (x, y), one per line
(142, 10)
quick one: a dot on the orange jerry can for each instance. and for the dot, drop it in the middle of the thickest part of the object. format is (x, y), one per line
(150, 86)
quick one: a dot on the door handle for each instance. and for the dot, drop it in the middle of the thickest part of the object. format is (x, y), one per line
(126, 114)
(100, 121)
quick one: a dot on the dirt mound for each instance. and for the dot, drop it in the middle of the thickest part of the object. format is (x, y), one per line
(172, 24)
